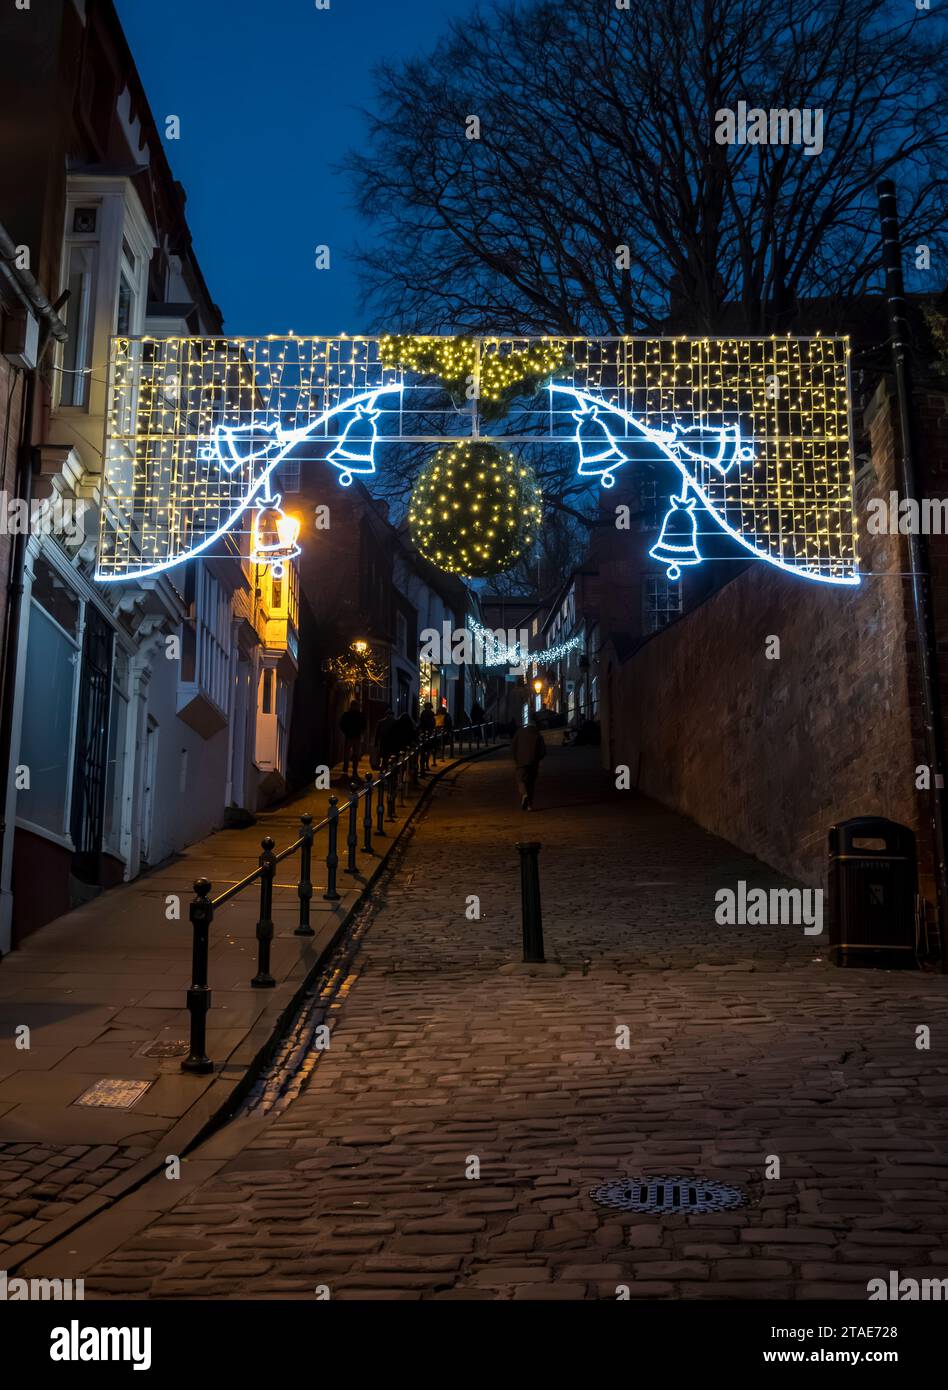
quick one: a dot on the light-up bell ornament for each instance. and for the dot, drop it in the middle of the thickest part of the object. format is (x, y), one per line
(599, 453)
(274, 535)
(677, 545)
(355, 451)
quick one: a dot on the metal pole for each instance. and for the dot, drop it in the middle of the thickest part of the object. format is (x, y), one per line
(530, 901)
(352, 839)
(391, 777)
(201, 914)
(332, 857)
(367, 816)
(380, 805)
(923, 617)
(305, 889)
(263, 979)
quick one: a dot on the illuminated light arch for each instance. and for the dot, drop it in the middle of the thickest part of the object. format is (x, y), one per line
(224, 450)
(731, 453)
(196, 427)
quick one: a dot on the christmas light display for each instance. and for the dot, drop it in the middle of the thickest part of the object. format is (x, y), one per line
(474, 509)
(677, 545)
(758, 429)
(496, 652)
(274, 535)
(475, 367)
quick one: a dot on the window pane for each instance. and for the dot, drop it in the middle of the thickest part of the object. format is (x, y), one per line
(47, 723)
(55, 596)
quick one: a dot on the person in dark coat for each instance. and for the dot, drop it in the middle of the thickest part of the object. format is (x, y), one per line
(527, 749)
(352, 725)
(405, 732)
(386, 738)
(426, 721)
(477, 719)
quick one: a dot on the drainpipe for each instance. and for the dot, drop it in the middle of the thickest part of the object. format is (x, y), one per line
(26, 290)
(923, 617)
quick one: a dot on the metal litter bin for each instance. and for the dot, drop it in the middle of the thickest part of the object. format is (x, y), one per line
(873, 886)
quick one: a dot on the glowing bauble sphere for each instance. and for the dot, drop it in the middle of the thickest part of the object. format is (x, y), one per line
(474, 509)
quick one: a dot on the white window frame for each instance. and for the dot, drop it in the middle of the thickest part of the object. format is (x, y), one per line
(658, 587)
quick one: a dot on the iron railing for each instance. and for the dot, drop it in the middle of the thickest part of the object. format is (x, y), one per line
(388, 789)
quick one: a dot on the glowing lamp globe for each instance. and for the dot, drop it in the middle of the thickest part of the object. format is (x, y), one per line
(475, 509)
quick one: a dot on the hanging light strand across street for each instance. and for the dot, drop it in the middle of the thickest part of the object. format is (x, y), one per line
(759, 429)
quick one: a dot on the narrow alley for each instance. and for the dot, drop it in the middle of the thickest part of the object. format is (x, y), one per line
(447, 1140)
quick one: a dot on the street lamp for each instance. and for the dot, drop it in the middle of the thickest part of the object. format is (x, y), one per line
(538, 685)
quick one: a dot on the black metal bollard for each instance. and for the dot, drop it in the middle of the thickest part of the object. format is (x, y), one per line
(305, 889)
(201, 914)
(367, 815)
(352, 839)
(391, 778)
(380, 805)
(332, 856)
(263, 979)
(530, 901)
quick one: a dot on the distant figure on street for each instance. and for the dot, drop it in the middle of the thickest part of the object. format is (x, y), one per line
(527, 749)
(405, 731)
(426, 720)
(352, 725)
(477, 719)
(386, 739)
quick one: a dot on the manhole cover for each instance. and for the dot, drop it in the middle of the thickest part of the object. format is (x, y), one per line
(668, 1194)
(175, 1048)
(115, 1092)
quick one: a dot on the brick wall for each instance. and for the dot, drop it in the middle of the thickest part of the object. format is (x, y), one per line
(770, 753)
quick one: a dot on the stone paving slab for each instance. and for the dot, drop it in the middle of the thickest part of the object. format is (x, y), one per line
(100, 984)
(744, 1047)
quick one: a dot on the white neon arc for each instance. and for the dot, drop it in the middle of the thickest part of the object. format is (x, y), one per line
(288, 441)
(660, 440)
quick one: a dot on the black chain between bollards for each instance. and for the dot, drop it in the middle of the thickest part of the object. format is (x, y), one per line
(389, 788)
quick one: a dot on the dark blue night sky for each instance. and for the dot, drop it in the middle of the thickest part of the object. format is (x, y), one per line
(270, 93)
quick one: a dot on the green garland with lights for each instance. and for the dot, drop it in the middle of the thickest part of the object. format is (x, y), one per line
(453, 363)
(475, 509)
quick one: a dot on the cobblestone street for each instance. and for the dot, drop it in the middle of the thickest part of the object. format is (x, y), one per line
(745, 1047)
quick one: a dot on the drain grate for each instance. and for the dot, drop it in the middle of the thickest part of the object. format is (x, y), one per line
(116, 1092)
(686, 1194)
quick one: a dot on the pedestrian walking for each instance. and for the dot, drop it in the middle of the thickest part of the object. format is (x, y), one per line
(405, 732)
(352, 725)
(426, 720)
(527, 749)
(477, 719)
(385, 743)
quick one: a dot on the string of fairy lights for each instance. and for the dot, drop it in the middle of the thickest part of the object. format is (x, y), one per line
(165, 493)
(497, 652)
